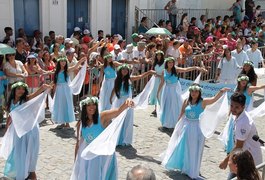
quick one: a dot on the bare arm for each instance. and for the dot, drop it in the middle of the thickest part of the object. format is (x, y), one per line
(184, 105)
(188, 69)
(39, 91)
(208, 101)
(161, 84)
(77, 137)
(143, 75)
(107, 116)
(251, 89)
(78, 64)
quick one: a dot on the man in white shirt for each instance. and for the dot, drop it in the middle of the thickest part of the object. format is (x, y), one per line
(71, 62)
(127, 54)
(116, 53)
(244, 130)
(239, 53)
(174, 51)
(254, 55)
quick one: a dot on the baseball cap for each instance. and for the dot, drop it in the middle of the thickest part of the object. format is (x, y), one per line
(68, 40)
(117, 46)
(86, 31)
(71, 50)
(77, 29)
(134, 35)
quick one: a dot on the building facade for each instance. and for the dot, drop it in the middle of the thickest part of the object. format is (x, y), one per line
(61, 16)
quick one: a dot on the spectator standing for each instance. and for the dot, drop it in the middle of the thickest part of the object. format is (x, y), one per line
(21, 54)
(249, 5)
(254, 55)
(8, 37)
(143, 26)
(171, 8)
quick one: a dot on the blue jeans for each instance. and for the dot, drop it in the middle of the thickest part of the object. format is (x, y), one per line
(173, 19)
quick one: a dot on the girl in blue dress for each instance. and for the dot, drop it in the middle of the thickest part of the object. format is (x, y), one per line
(121, 91)
(248, 69)
(22, 161)
(244, 87)
(158, 66)
(109, 73)
(185, 153)
(63, 108)
(171, 101)
(91, 125)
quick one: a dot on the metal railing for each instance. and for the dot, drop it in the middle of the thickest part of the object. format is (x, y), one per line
(156, 14)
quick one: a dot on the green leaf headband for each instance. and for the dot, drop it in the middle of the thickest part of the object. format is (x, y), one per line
(89, 100)
(160, 52)
(249, 63)
(107, 56)
(19, 84)
(123, 66)
(169, 59)
(61, 59)
(195, 88)
(243, 78)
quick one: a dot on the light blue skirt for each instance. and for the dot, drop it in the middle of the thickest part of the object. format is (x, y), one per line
(99, 168)
(63, 108)
(170, 105)
(105, 93)
(153, 95)
(188, 152)
(126, 135)
(24, 155)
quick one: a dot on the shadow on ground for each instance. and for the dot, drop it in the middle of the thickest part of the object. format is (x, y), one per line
(177, 175)
(63, 133)
(129, 152)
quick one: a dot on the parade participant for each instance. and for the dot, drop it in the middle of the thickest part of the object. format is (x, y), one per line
(91, 125)
(242, 164)
(243, 131)
(171, 101)
(107, 84)
(63, 109)
(248, 69)
(158, 66)
(186, 155)
(123, 90)
(22, 160)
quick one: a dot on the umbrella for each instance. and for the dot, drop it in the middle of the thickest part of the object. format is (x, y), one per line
(158, 31)
(5, 49)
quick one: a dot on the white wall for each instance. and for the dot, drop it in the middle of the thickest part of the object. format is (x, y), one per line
(6, 16)
(100, 16)
(53, 17)
(217, 4)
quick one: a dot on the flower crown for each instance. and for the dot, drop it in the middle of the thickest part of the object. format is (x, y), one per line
(243, 78)
(160, 52)
(123, 66)
(19, 84)
(249, 63)
(107, 56)
(61, 59)
(89, 100)
(195, 88)
(169, 59)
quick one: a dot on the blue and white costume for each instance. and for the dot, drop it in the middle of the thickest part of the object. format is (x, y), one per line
(63, 108)
(126, 135)
(106, 88)
(171, 101)
(185, 151)
(153, 95)
(24, 156)
(99, 168)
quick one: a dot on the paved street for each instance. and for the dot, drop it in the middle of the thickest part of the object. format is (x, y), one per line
(57, 151)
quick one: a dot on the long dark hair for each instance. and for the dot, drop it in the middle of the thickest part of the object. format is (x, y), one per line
(173, 70)
(238, 84)
(58, 69)
(118, 82)
(12, 96)
(182, 18)
(251, 74)
(84, 116)
(158, 62)
(245, 165)
(199, 97)
(110, 63)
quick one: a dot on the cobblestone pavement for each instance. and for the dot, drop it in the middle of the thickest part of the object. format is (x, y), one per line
(56, 155)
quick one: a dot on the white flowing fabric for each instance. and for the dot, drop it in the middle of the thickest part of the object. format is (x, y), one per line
(185, 94)
(213, 114)
(76, 85)
(25, 117)
(77, 82)
(7, 142)
(258, 113)
(106, 142)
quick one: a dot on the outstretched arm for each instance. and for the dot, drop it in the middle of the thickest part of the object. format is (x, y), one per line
(143, 75)
(251, 89)
(39, 91)
(78, 64)
(188, 69)
(107, 116)
(208, 101)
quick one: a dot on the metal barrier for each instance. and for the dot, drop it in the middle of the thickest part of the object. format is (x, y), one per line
(156, 14)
